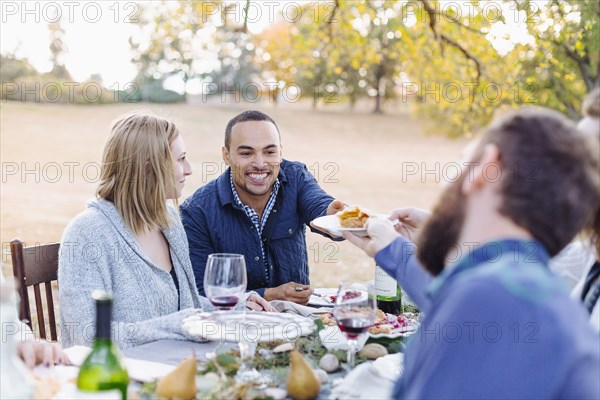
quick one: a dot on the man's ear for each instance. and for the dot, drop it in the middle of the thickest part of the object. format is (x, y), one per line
(281, 150)
(225, 153)
(487, 170)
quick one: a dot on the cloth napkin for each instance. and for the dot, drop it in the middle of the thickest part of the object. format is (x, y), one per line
(295, 308)
(362, 383)
(139, 370)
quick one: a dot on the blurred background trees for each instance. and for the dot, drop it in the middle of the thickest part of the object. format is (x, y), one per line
(451, 63)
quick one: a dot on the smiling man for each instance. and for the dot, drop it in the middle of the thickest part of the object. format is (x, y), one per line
(258, 207)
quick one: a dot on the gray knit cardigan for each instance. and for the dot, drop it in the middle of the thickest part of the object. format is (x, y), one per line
(99, 252)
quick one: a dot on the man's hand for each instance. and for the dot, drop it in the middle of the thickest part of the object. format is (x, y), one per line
(411, 221)
(36, 352)
(257, 303)
(381, 233)
(335, 206)
(290, 291)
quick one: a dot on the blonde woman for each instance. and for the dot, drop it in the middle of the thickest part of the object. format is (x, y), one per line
(130, 242)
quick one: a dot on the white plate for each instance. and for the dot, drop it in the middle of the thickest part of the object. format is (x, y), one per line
(401, 332)
(318, 297)
(139, 370)
(331, 223)
(406, 332)
(393, 335)
(235, 326)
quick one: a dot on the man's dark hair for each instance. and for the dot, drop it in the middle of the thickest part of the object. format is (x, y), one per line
(250, 115)
(550, 181)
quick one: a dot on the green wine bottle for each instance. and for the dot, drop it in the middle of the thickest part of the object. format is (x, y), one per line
(103, 372)
(389, 294)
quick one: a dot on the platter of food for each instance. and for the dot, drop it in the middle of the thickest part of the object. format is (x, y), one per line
(351, 219)
(385, 326)
(325, 297)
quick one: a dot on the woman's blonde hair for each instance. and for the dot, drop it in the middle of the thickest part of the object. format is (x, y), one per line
(137, 170)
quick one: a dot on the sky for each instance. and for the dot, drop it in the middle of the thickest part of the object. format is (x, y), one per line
(97, 34)
(95, 42)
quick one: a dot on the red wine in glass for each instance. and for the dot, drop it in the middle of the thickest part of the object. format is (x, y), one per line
(353, 327)
(224, 283)
(224, 302)
(354, 311)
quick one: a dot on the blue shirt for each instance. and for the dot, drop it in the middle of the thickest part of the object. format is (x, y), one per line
(214, 223)
(259, 223)
(500, 325)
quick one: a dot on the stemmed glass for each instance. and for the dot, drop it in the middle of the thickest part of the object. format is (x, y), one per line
(224, 283)
(247, 372)
(225, 279)
(355, 311)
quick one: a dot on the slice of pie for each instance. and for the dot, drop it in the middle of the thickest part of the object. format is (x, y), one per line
(353, 217)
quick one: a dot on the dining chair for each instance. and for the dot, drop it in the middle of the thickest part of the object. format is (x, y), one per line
(33, 266)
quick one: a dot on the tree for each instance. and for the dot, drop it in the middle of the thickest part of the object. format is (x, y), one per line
(384, 31)
(58, 49)
(453, 73)
(348, 48)
(174, 45)
(235, 71)
(12, 68)
(456, 62)
(564, 66)
(274, 58)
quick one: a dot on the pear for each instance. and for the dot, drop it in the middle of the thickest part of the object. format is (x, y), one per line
(179, 383)
(303, 383)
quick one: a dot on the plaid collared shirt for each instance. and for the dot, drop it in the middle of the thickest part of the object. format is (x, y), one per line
(258, 223)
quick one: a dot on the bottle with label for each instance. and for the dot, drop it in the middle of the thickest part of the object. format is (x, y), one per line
(389, 294)
(102, 372)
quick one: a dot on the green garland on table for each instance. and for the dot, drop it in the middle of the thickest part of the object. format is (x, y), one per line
(226, 365)
(264, 359)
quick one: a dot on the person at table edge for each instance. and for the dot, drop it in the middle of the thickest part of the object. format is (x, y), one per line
(499, 324)
(579, 259)
(258, 207)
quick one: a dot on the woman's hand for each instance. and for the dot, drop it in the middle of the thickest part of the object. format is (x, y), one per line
(36, 352)
(257, 303)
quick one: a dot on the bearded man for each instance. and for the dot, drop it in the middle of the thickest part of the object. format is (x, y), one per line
(498, 323)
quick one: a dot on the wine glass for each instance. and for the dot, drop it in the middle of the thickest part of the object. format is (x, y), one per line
(247, 372)
(225, 279)
(224, 283)
(355, 310)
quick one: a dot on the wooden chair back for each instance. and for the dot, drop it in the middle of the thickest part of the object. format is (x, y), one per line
(34, 266)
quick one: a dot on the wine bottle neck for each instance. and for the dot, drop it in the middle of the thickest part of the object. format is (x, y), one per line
(102, 343)
(103, 320)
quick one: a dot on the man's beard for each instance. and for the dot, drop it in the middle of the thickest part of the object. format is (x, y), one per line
(441, 232)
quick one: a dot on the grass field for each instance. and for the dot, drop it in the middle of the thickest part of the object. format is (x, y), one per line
(50, 156)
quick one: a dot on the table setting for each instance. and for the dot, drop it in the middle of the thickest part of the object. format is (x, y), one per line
(340, 366)
(378, 362)
(339, 345)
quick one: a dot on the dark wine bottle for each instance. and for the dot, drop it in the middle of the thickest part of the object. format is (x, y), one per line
(103, 372)
(389, 294)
